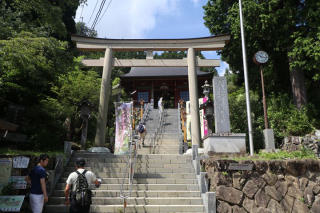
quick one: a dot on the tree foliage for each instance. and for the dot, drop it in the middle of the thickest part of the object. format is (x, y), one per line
(35, 52)
(28, 66)
(288, 30)
(83, 30)
(284, 29)
(41, 17)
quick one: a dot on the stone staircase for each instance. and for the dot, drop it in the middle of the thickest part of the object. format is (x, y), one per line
(168, 142)
(162, 183)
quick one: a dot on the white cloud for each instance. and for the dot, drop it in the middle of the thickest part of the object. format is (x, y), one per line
(222, 69)
(129, 18)
(195, 1)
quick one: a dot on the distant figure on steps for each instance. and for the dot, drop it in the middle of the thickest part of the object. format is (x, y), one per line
(142, 133)
(160, 105)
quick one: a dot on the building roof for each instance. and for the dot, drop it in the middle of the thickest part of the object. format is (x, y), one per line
(139, 72)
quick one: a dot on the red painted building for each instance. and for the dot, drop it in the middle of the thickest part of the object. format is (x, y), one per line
(171, 83)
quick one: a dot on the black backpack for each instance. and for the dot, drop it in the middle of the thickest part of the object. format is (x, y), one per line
(83, 194)
(141, 128)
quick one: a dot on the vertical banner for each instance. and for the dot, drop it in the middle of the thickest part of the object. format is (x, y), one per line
(188, 124)
(201, 115)
(123, 128)
(205, 122)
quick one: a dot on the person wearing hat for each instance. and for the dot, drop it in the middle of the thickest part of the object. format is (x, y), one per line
(72, 186)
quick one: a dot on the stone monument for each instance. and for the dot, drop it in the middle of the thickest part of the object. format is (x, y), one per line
(223, 141)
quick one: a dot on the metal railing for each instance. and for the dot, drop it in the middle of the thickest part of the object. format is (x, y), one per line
(129, 171)
(132, 158)
(157, 134)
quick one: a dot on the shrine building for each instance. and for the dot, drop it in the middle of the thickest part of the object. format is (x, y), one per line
(151, 83)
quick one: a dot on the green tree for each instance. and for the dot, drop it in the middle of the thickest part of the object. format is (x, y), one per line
(69, 91)
(83, 30)
(42, 17)
(28, 66)
(278, 27)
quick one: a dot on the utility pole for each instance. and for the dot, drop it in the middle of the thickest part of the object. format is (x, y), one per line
(244, 58)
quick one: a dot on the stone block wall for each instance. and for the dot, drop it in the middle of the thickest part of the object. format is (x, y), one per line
(294, 143)
(270, 186)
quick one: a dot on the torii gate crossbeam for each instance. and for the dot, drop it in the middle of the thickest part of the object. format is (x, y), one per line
(190, 45)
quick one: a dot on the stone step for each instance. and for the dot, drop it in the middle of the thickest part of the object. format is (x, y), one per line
(138, 160)
(131, 208)
(140, 187)
(137, 170)
(157, 151)
(166, 151)
(141, 193)
(136, 201)
(169, 147)
(109, 156)
(142, 175)
(137, 165)
(143, 181)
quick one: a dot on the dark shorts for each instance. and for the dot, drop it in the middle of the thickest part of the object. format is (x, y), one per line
(74, 208)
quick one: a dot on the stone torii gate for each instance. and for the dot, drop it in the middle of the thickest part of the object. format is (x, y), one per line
(191, 45)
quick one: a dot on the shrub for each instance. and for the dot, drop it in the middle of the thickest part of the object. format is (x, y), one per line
(285, 119)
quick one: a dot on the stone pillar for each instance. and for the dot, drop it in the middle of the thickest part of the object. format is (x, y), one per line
(194, 101)
(221, 105)
(104, 99)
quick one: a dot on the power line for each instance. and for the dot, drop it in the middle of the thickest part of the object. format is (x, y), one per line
(98, 14)
(105, 11)
(81, 17)
(93, 11)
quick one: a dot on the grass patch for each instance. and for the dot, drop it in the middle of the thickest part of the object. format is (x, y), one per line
(8, 151)
(280, 155)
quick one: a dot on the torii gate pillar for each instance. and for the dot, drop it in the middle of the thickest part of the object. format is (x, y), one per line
(105, 92)
(194, 103)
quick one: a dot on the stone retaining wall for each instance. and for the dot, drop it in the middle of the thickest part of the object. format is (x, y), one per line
(265, 186)
(294, 143)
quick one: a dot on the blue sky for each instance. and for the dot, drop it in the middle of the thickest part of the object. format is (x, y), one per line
(149, 19)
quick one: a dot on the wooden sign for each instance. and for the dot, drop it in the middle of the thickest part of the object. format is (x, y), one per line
(240, 166)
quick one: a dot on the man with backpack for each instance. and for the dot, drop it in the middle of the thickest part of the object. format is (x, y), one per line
(79, 183)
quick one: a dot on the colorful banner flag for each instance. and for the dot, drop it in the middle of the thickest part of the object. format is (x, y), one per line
(205, 122)
(123, 128)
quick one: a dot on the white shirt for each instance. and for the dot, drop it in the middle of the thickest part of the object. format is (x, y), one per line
(72, 179)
